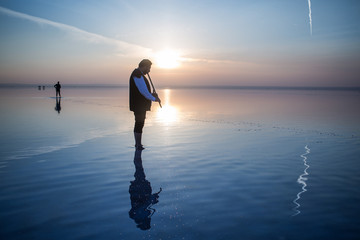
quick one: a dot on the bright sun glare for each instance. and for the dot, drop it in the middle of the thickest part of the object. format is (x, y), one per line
(168, 113)
(167, 59)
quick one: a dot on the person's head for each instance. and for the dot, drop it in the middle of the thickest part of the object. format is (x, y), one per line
(145, 66)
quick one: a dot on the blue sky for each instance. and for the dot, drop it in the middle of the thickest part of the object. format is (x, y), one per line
(258, 42)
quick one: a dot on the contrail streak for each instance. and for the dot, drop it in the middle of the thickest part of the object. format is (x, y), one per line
(310, 18)
(302, 180)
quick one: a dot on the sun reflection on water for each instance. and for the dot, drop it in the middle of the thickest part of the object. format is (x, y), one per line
(167, 114)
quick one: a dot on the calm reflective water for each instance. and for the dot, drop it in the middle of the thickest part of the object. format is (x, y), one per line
(218, 164)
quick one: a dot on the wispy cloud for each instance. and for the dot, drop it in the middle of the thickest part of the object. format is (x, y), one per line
(121, 47)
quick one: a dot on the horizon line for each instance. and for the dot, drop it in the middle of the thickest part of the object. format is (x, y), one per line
(224, 87)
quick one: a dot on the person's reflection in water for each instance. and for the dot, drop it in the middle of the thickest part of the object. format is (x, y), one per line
(58, 105)
(141, 196)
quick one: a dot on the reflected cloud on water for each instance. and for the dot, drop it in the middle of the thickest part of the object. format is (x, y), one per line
(141, 196)
(302, 180)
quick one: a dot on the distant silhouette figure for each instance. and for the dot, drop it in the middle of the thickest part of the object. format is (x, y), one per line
(58, 105)
(57, 87)
(141, 196)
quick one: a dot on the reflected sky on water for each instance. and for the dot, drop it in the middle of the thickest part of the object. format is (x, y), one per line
(230, 163)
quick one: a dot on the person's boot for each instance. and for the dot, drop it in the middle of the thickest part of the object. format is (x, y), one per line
(138, 144)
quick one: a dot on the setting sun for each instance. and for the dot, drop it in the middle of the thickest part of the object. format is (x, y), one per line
(167, 59)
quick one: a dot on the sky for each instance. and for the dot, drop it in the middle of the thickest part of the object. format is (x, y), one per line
(236, 43)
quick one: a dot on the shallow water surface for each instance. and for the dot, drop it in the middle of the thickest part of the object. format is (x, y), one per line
(218, 164)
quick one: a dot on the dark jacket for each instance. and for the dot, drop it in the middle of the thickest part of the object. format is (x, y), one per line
(137, 102)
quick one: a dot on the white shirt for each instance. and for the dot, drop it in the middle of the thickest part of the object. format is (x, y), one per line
(141, 85)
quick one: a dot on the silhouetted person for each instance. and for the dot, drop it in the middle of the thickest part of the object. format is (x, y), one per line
(57, 87)
(140, 98)
(141, 196)
(58, 105)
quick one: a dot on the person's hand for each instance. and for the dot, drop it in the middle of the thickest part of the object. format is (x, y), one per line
(157, 97)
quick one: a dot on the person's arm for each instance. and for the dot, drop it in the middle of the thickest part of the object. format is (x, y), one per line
(141, 85)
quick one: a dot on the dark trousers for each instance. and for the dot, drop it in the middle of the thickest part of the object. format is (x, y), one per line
(139, 121)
